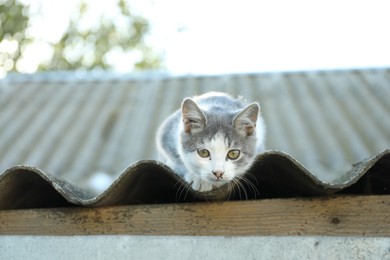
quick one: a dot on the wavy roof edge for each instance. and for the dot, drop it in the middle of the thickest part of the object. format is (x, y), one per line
(273, 175)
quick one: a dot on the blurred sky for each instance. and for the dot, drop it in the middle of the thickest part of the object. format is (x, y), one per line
(212, 37)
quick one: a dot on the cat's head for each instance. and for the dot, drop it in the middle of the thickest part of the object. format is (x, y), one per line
(218, 146)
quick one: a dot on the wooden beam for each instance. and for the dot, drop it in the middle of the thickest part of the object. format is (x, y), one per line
(325, 216)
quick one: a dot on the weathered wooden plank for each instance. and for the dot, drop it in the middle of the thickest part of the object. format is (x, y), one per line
(330, 216)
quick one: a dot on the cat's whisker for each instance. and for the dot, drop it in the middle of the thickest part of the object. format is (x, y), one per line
(230, 188)
(178, 186)
(252, 176)
(252, 186)
(236, 183)
(249, 184)
(183, 188)
(244, 189)
(187, 189)
(255, 187)
(180, 190)
(240, 181)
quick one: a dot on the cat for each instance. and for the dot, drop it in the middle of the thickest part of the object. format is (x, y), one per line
(212, 140)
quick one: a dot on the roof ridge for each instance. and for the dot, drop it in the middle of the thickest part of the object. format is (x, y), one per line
(100, 75)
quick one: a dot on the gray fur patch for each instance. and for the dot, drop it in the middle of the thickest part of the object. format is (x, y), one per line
(203, 118)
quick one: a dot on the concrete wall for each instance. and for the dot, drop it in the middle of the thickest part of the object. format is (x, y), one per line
(173, 247)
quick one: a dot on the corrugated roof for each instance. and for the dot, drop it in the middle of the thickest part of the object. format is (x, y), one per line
(273, 175)
(73, 125)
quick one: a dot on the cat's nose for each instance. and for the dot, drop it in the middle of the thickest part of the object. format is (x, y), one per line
(218, 174)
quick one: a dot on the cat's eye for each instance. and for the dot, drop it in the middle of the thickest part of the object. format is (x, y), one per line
(204, 153)
(233, 154)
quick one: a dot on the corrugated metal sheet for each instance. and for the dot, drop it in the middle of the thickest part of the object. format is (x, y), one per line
(273, 175)
(73, 126)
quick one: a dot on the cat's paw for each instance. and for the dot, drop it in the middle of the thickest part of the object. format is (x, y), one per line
(202, 186)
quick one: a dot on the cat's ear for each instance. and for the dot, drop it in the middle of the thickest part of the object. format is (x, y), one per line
(193, 118)
(245, 121)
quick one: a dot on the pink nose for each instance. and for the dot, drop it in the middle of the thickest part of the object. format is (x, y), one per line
(218, 174)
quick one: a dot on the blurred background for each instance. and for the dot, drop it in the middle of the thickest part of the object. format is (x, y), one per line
(86, 83)
(192, 37)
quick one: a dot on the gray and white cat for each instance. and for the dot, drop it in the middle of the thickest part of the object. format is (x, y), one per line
(212, 140)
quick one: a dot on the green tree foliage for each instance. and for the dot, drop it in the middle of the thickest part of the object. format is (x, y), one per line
(81, 47)
(13, 25)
